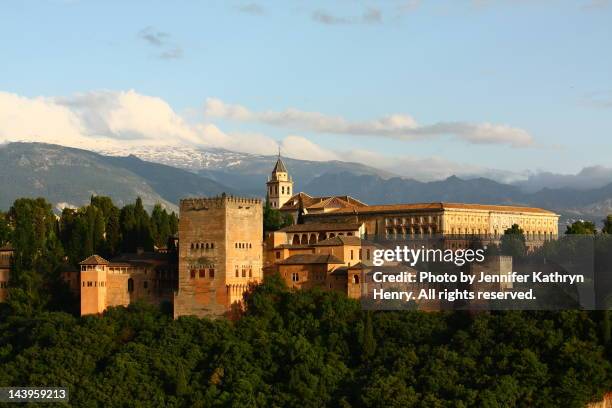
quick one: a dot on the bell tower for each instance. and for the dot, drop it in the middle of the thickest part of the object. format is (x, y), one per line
(279, 185)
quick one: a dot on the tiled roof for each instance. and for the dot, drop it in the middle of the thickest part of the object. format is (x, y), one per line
(339, 240)
(438, 206)
(280, 166)
(305, 259)
(94, 260)
(309, 202)
(322, 226)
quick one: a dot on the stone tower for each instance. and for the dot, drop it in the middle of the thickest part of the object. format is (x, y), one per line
(280, 185)
(220, 253)
(93, 285)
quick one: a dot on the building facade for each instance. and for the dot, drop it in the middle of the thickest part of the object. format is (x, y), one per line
(457, 222)
(146, 276)
(6, 252)
(220, 253)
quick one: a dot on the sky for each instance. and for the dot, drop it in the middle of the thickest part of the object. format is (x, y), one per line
(499, 88)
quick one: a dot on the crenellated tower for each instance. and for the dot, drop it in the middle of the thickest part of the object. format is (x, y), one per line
(279, 185)
(220, 253)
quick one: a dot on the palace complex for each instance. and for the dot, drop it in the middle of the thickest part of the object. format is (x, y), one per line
(222, 251)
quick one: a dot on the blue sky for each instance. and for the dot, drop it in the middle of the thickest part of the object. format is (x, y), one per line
(537, 70)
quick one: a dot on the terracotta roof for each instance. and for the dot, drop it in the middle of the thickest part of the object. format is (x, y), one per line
(280, 166)
(94, 260)
(341, 271)
(339, 241)
(309, 202)
(438, 206)
(322, 226)
(359, 265)
(305, 259)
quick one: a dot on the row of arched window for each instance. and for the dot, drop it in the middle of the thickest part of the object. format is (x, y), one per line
(244, 271)
(202, 245)
(243, 245)
(274, 190)
(202, 273)
(93, 284)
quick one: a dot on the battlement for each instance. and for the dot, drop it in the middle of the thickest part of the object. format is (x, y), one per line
(203, 203)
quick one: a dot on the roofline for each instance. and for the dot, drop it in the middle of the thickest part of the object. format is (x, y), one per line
(438, 206)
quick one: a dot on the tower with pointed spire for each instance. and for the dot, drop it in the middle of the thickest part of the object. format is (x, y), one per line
(279, 185)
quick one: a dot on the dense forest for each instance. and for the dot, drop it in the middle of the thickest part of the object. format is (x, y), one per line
(309, 349)
(286, 348)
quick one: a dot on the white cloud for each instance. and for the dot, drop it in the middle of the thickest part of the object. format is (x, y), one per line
(129, 115)
(299, 147)
(123, 120)
(396, 126)
(36, 119)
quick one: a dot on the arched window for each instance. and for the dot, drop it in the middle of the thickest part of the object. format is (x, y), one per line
(304, 240)
(296, 239)
(313, 239)
(355, 279)
(192, 246)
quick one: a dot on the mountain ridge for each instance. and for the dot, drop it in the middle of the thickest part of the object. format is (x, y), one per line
(69, 176)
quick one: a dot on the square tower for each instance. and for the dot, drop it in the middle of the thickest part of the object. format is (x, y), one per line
(220, 253)
(93, 285)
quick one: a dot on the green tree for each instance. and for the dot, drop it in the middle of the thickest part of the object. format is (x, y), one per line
(607, 228)
(135, 228)
(34, 279)
(581, 227)
(513, 242)
(5, 230)
(273, 219)
(162, 225)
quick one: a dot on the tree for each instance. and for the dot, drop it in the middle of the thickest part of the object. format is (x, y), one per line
(37, 255)
(4, 229)
(163, 225)
(273, 219)
(581, 227)
(368, 342)
(513, 242)
(135, 228)
(607, 228)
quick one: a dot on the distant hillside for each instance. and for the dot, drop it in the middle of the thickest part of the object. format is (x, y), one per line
(70, 176)
(67, 176)
(243, 171)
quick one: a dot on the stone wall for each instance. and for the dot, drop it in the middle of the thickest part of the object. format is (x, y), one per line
(219, 238)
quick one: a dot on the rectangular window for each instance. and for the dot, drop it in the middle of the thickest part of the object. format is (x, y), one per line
(192, 273)
(295, 277)
(277, 254)
(244, 273)
(211, 273)
(351, 254)
(368, 254)
(202, 273)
